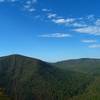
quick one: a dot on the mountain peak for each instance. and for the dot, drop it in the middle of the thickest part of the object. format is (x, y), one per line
(16, 55)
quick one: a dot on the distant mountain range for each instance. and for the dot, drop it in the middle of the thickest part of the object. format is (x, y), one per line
(26, 78)
(84, 65)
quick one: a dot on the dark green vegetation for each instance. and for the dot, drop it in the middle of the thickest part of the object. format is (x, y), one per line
(84, 65)
(24, 78)
(3, 96)
(90, 67)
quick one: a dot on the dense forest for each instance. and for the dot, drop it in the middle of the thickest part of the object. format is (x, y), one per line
(25, 78)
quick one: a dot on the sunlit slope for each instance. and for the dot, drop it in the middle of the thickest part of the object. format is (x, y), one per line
(90, 67)
(85, 65)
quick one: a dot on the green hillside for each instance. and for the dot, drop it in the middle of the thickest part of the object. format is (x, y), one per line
(84, 65)
(25, 78)
(90, 67)
(92, 92)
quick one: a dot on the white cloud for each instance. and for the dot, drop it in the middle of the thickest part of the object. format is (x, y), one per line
(63, 21)
(29, 5)
(55, 35)
(26, 6)
(89, 41)
(46, 10)
(59, 21)
(94, 46)
(69, 20)
(89, 24)
(72, 22)
(95, 30)
(27, 1)
(32, 9)
(51, 15)
(97, 22)
(77, 24)
(91, 17)
(8, 0)
(31, 1)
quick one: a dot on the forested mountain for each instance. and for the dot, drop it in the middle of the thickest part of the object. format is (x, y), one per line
(84, 65)
(88, 66)
(25, 78)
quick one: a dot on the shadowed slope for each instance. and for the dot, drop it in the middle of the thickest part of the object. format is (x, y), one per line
(26, 78)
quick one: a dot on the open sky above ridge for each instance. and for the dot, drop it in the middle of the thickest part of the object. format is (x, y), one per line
(51, 30)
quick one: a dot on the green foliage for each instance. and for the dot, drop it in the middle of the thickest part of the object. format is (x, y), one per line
(25, 78)
(92, 92)
(3, 96)
(83, 65)
(90, 67)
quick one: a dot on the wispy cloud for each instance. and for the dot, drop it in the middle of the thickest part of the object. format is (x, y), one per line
(63, 21)
(55, 35)
(28, 1)
(89, 24)
(97, 23)
(59, 21)
(51, 15)
(46, 10)
(94, 30)
(93, 26)
(94, 46)
(90, 17)
(89, 41)
(12, 1)
(92, 43)
(70, 21)
(31, 9)
(29, 5)
(78, 24)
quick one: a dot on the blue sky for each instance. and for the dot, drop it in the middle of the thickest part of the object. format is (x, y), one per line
(51, 30)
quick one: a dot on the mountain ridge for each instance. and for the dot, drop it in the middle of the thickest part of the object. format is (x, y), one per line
(31, 57)
(27, 78)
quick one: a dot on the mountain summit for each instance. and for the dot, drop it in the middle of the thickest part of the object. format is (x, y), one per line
(26, 78)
